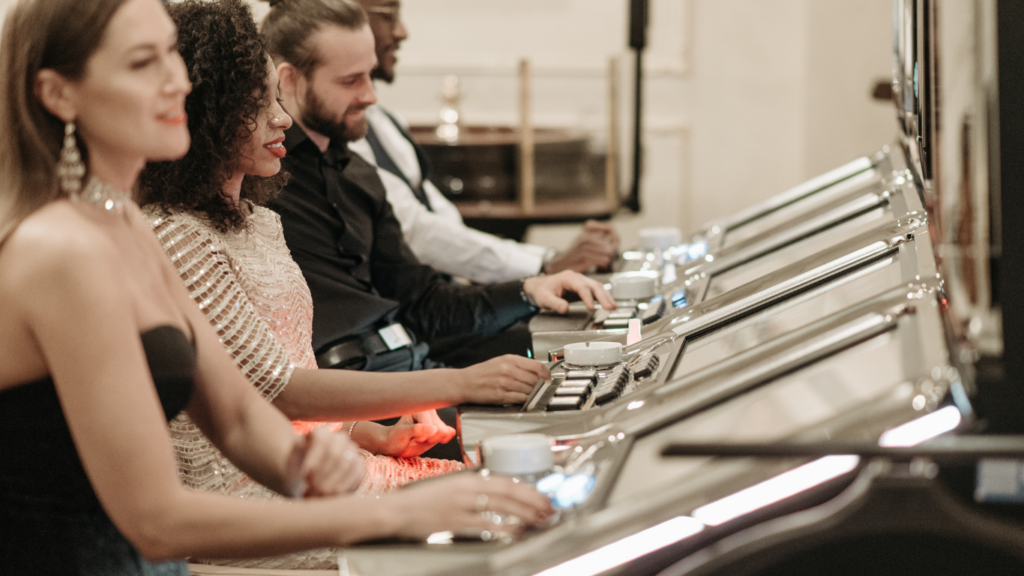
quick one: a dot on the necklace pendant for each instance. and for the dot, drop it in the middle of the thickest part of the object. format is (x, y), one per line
(103, 196)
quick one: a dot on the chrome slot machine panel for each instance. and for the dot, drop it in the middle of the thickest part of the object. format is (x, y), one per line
(735, 272)
(867, 209)
(818, 294)
(876, 374)
(759, 220)
(791, 204)
(704, 283)
(757, 282)
(852, 196)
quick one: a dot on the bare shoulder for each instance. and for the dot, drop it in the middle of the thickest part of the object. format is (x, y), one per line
(56, 250)
(58, 234)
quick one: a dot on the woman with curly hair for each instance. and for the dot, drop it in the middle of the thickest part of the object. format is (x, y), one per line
(101, 345)
(206, 210)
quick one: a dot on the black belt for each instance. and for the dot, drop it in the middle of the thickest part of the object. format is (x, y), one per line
(368, 351)
(343, 353)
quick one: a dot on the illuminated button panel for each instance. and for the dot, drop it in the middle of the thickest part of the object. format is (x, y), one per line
(582, 388)
(679, 299)
(647, 313)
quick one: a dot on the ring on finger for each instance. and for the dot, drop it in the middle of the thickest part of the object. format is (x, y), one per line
(481, 502)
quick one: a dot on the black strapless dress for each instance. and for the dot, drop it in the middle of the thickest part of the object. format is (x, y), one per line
(50, 519)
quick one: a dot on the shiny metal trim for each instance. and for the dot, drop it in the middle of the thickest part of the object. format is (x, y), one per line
(920, 284)
(899, 309)
(862, 204)
(874, 250)
(915, 269)
(605, 523)
(772, 361)
(805, 209)
(798, 192)
(798, 275)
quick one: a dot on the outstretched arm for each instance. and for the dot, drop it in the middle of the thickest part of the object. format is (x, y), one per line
(355, 395)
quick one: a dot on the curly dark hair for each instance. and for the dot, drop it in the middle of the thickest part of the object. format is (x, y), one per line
(227, 64)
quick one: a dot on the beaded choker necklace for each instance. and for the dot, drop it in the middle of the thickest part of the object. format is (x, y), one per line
(103, 196)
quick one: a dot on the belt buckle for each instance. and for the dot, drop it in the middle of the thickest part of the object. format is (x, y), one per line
(395, 336)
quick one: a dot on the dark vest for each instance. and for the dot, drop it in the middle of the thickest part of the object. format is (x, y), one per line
(385, 161)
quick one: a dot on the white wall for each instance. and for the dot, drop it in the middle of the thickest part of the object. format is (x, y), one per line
(849, 45)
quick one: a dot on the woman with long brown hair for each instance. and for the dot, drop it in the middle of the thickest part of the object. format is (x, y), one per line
(102, 345)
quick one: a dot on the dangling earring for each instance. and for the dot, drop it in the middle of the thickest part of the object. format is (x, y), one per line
(70, 168)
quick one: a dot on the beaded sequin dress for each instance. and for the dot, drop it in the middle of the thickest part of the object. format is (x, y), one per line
(255, 297)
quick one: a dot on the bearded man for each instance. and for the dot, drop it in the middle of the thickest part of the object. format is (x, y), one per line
(372, 297)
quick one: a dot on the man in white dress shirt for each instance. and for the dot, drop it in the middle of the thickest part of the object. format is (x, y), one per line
(431, 224)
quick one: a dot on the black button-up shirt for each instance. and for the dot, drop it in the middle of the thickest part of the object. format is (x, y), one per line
(344, 236)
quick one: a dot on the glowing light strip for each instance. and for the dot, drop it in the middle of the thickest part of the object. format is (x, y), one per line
(629, 548)
(748, 500)
(775, 489)
(822, 470)
(924, 428)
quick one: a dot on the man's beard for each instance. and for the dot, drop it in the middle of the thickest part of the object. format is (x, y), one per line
(379, 73)
(384, 54)
(316, 117)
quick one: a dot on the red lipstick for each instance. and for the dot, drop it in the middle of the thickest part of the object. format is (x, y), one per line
(276, 147)
(174, 120)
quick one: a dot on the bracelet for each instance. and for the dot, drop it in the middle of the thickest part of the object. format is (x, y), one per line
(351, 427)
